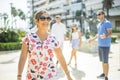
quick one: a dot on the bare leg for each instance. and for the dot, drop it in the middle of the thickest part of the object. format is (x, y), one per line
(75, 57)
(105, 68)
(72, 54)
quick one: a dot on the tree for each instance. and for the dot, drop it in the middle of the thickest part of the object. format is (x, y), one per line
(107, 4)
(79, 15)
(5, 16)
(14, 13)
(21, 14)
(17, 12)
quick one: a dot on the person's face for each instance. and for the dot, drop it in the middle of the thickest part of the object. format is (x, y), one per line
(74, 27)
(100, 16)
(44, 21)
(58, 19)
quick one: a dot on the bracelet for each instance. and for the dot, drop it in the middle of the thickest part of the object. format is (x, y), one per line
(67, 72)
(19, 75)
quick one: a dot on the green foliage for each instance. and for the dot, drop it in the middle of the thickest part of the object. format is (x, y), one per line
(10, 39)
(10, 46)
(9, 36)
(80, 12)
(21, 14)
(21, 33)
(107, 4)
(113, 39)
(14, 11)
(68, 33)
(115, 31)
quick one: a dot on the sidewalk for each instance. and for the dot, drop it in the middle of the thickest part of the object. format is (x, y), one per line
(88, 65)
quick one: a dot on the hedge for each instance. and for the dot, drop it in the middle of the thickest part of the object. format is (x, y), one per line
(10, 46)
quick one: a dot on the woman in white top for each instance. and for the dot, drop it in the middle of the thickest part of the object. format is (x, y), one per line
(76, 39)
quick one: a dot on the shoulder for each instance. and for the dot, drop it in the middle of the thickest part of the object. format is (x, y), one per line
(31, 35)
(63, 24)
(53, 24)
(79, 32)
(108, 23)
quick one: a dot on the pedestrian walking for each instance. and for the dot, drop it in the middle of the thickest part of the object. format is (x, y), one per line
(59, 31)
(39, 47)
(76, 40)
(104, 42)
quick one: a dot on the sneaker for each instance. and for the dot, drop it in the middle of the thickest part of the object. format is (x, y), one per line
(106, 78)
(101, 76)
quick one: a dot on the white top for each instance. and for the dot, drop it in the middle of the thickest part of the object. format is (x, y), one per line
(75, 35)
(59, 30)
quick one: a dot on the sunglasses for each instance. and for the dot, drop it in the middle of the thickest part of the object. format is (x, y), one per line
(43, 18)
(99, 14)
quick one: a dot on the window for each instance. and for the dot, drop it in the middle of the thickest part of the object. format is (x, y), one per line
(117, 23)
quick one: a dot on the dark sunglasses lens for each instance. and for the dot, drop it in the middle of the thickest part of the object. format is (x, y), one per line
(98, 14)
(48, 18)
(43, 18)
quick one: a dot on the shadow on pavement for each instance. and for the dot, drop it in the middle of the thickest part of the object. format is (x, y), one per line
(60, 73)
(77, 74)
(8, 61)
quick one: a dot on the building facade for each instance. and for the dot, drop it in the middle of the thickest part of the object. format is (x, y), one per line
(67, 9)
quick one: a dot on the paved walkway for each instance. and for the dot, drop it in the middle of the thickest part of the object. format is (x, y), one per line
(88, 64)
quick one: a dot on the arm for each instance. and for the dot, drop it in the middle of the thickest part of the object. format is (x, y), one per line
(52, 29)
(109, 31)
(65, 35)
(92, 39)
(80, 37)
(22, 60)
(62, 61)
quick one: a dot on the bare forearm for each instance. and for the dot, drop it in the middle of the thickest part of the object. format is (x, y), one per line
(109, 34)
(63, 64)
(62, 61)
(21, 65)
(94, 38)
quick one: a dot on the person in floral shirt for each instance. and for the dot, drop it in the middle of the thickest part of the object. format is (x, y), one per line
(40, 47)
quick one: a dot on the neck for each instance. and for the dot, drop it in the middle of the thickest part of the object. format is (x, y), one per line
(102, 20)
(41, 32)
(58, 22)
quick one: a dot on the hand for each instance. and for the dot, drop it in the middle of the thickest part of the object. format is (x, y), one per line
(79, 46)
(103, 36)
(90, 40)
(69, 77)
(19, 78)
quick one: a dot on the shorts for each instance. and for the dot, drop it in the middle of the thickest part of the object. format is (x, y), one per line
(104, 54)
(75, 43)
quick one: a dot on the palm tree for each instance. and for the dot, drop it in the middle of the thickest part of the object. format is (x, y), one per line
(14, 13)
(21, 14)
(5, 16)
(107, 4)
(17, 12)
(79, 15)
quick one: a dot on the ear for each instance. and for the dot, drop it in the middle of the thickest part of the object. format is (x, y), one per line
(36, 21)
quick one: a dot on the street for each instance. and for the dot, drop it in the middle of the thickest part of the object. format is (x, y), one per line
(88, 64)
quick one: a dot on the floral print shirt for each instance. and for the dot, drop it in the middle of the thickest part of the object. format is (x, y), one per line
(40, 57)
